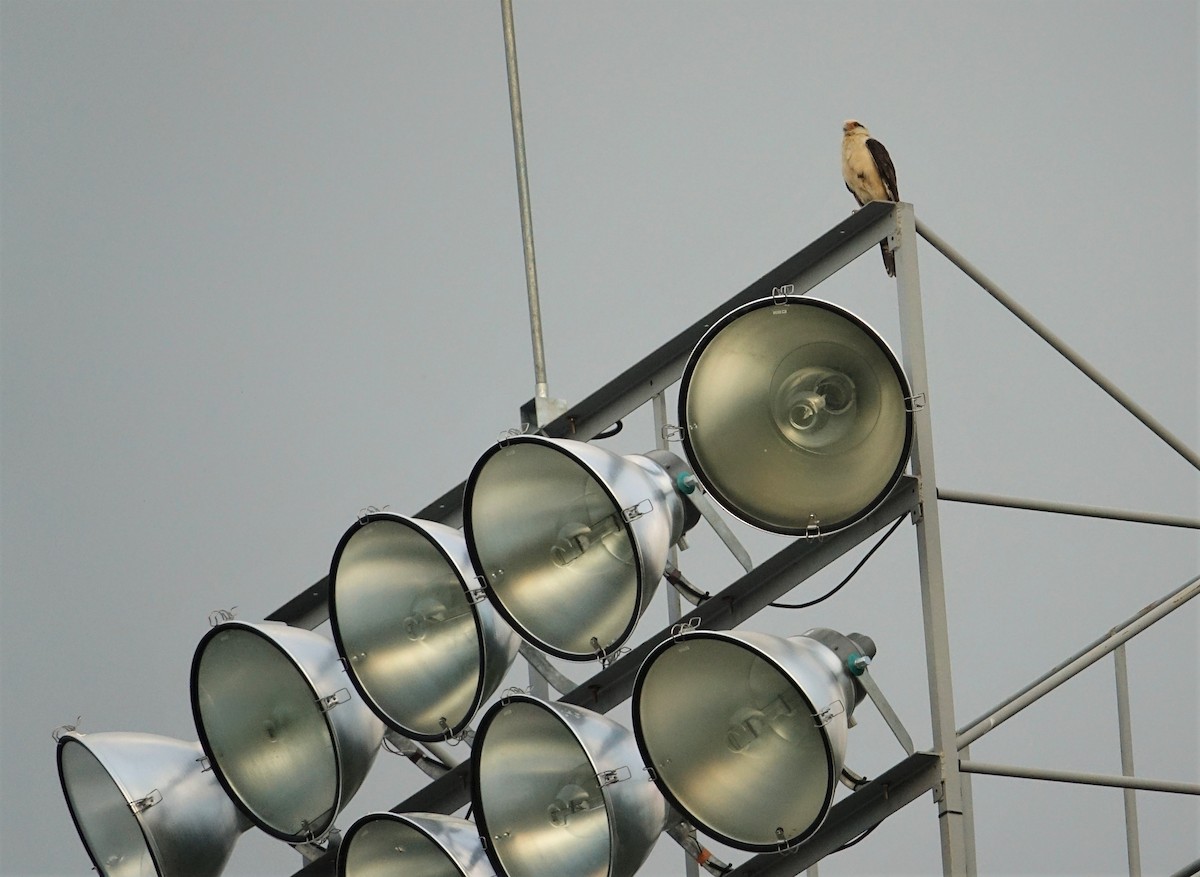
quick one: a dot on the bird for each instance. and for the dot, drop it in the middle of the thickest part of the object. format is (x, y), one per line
(869, 174)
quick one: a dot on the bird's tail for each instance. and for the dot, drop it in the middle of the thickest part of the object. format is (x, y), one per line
(889, 258)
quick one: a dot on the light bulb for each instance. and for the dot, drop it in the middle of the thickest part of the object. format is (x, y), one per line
(814, 409)
(575, 539)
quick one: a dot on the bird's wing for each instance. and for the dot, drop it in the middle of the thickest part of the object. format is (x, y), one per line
(887, 171)
(855, 194)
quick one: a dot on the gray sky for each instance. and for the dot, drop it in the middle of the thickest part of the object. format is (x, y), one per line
(261, 268)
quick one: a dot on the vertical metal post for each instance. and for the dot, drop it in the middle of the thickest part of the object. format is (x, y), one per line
(659, 403)
(951, 805)
(964, 754)
(539, 686)
(674, 604)
(1132, 841)
(518, 126)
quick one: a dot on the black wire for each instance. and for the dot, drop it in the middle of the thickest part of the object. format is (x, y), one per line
(858, 839)
(675, 577)
(610, 432)
(843, 582)
(856, 783)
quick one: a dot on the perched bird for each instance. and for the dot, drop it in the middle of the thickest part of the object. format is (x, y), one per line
(869, 174)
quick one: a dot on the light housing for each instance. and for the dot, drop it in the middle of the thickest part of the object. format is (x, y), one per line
(571, 540)
(412, 844)
(745, 733)
(421, 646)
(146, 805)
(796, 415)
(282, 731)
(558, 790)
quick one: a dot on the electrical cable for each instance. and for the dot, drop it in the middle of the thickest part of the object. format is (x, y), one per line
(675, 578)
(858, 839)
(610, 432)
(844, 581)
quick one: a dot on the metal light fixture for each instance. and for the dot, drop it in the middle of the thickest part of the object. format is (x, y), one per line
(560, 790)
(745, 733)
(796, 415)
(146, 805)
(421, 647)
(412, 844)
(277, 720)
(570, 540)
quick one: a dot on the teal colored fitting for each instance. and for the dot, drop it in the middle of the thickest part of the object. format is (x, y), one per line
(856, 665)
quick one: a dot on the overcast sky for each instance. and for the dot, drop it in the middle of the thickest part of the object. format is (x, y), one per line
(261, 268)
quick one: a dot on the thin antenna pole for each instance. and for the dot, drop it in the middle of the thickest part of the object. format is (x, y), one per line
(541, 389)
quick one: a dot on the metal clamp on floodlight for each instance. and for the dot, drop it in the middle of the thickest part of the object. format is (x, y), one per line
(795, 415)
(559, 790)
(745, 733)
(420, 648)
(417, 844)
(147, 805)
(571, 540)
(282, 732)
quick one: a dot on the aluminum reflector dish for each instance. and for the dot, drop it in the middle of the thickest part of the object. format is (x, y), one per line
(145, 806)
(412, 845)
(559, 790)
(284, 734)
(420, 648)
(796, 415)
(746, 732)
(570, 540)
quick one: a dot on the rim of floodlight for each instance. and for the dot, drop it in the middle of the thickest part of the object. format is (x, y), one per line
(326, 824)
(147, 836)
(672, 799)
(781, 301)
(491, 593)
(452, 730)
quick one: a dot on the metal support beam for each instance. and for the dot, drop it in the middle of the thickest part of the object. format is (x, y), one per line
(1087, 779)
(1081, 660)
(661, 443)
(639, 383)
(875, 693)
(1121, 397)
(893, 789)
(951, 804)
(1133, 844)
(1087, 511)
(685, 837)
(1188, 870)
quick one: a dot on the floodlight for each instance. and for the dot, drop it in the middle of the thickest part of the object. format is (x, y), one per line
(570, 540)
(277, 720)
(796, 415)
(745, 733)
(413, 845)
(147, 806)
(420, 645)
(560, 790)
